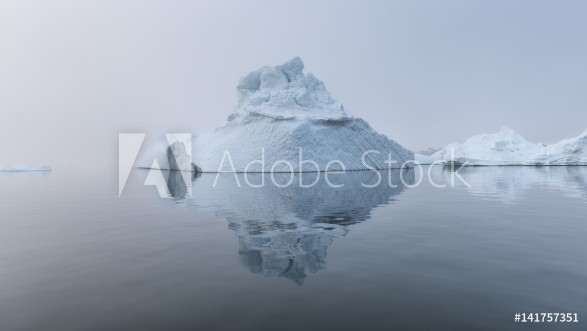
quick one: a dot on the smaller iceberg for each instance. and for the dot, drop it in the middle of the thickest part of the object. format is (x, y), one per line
(21, 168)
(508, 147)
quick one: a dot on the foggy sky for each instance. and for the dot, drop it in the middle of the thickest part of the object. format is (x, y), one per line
(74, 74)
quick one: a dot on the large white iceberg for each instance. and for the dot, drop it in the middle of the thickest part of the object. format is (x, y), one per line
(284, 116)
(508, 147)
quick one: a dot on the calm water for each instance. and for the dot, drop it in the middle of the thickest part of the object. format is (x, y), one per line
(74, 256)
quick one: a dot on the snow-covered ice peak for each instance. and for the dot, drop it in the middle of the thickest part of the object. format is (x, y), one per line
(507, 133)
(284, 92)
(503, 139)
(282, 116)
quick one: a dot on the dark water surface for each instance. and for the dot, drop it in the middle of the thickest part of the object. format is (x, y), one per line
(75, 256)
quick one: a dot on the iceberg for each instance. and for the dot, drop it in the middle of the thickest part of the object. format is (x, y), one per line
(286, 121)
(21, 168)
(566, 152)
(508, 147)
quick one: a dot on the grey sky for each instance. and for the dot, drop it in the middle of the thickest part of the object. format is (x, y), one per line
(73, 74)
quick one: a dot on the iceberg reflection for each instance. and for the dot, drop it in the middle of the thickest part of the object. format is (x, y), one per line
(509, 184)
(285, 232)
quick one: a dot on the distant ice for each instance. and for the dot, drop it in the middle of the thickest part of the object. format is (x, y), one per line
(20, 168)
(508, 147)
(422, 159)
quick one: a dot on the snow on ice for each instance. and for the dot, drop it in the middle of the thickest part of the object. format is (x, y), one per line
(508, 147)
